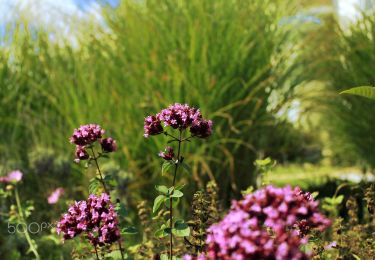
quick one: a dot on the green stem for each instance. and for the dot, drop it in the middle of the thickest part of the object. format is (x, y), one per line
(106, 191)
(100, 173)
(27, 235)
(171, 199)
(96, 253)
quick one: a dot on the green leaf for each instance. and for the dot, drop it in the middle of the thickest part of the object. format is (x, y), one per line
(338, 199)
(120, 209)
(94, 185)
(162, 189)
(181, 229)
(356, 257)
(157, 203)
(175, 202)
(177, 194)
(364, 91)
(163, 231)
(315, 194)
(103, 155)
(129, 231)
(110, 181)
(179, 187)
(115, 255)
(164, 257)
(165, 168)
(263, 162)
(186, 167)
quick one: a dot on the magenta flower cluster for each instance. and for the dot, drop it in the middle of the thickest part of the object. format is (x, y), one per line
(108, 144)
(87, 135)
(168, 154)
(265, 225)
(94, 217)
(178, 116)
(12, 177)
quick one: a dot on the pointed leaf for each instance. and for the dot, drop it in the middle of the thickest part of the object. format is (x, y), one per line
(165, 168)
(120, 209)
(162, 189)
(175, 202)
(94, 185)
(163, 231)
(164, 257)
(157, 203)
(177, 194)
(186, 167)
(129, 231)
(364, 91)
(180, 187)
(181, 229)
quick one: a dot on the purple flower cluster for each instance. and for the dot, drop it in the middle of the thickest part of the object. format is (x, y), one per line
(81, 153)
(168, 154)
(265, 225)
(152, 126)
(95, 217)
(87, 135)
(12, 177)
(108, 144)
(178, 116)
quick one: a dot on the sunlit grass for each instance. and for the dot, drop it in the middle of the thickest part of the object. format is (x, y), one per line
(307, 175)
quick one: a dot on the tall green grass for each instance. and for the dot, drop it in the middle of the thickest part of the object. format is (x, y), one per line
(342, 58)
(225, 57)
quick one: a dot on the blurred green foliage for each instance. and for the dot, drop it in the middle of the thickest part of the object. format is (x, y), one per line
(241, 62)
(229, 58)
(342, 58)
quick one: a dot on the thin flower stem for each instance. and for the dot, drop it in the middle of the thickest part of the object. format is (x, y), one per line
(96, 252)
(27, 236)
(171, 199)
(174, 138)
(98, 168)
(187, 138)
(106, 190)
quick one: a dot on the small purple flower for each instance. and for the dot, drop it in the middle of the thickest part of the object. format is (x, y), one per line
(168, 154)
(81, 154)
(152, 126)
(86, 134)
(201, 128)
(55, 195)
(14, 177)
(331, 245)
(108, 144)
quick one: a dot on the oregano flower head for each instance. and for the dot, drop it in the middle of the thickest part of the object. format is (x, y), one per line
(81, 154)
(266, 225)
(108, 144)
(12, 177)
(168, 154)
(85, 136)
(178, 116)
(95, 217)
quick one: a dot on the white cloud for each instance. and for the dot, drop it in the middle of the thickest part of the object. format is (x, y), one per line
(63, 17)
(55, 14)
(349, 9)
